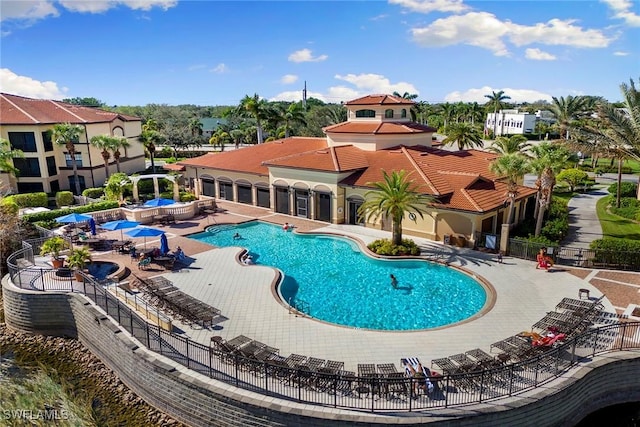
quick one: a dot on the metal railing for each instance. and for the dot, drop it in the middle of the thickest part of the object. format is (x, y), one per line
(577, 257)
(341, 389)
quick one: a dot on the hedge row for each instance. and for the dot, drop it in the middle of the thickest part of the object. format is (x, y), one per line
(622, 252)
(52, 215)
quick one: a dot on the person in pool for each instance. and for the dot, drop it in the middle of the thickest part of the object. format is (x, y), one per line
(394, 282)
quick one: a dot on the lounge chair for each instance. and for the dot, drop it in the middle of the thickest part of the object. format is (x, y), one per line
(411, 365)
(143, 264)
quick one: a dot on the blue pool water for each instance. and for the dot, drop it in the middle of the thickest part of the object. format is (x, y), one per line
(332, 280)
(101, 269)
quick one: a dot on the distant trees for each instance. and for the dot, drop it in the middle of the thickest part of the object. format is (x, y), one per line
(68, 134)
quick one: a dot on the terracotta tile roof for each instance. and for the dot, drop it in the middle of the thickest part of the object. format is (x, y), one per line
(18, 110)
(460, 179)
(253, 159)
(334, 159)
(381, 100)
(172, 167)
(378, 128)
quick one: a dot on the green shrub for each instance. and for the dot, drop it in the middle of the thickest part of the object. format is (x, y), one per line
(625, 212)
(9, 206)
(555, 229)
(187, 197)
(48, 216)
(29, 200)
(64, 198)
(627, 189)
(94, 193)
(385, 247)
(622, 252)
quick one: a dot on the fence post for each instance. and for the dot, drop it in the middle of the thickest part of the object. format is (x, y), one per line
(446, 396)
(148, 335)
(235, 365)
(210, 361)
(188, 343)
(266, 377)
(595, 342)
(535, 380)
(511, 379)
(130, 319)
(481, 385)
(624, 333)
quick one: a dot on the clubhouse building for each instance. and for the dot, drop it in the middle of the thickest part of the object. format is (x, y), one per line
(326, 179)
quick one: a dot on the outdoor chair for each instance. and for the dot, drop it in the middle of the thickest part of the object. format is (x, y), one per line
(143, 264)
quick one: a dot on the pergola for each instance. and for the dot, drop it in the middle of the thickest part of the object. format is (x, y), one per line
(156, 188)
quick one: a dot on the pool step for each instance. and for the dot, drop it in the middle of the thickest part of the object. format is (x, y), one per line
(218, 228)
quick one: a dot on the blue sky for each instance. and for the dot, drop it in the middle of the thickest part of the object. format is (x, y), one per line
(127, 52)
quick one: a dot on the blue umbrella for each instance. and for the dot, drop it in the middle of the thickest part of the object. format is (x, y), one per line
(74, 217)
(144, 232)
(164, 244)
(92, 226)
(120, 224)
(154, 203)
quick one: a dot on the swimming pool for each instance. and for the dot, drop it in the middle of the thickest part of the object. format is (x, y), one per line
(332, 280)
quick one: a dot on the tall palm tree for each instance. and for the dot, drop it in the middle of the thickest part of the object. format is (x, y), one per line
(465, 135)
(195, 126)
(393, 197)
(548, 160)
(512, 166)
(119, 143)
(6, 157)
(567, 110)
(616, 131)
(150, 139)
(257, 108)
(510, 145)
(476, 113)
(294, 114)
(67, 134)
(448, 111)
(106, 144)
(496, 100)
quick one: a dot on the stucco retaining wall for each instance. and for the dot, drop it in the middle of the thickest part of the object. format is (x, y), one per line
(199, 401)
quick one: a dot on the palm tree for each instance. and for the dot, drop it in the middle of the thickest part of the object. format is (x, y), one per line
(410, 97)
(106, 144)
(293, 114)
(510, 145)
(394, 197)
(118, 143)
(465, 135)
(512, 166)
(475, 112)
(67, 134)
(6, 156)
(195, 126)
(150, 139)
(496, 101)
(257, 108)
(616, 131)
(548, 160)
(448, 111)
(567, 110)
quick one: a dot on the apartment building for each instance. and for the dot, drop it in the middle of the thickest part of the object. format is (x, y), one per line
(27, 123)
(510, 122)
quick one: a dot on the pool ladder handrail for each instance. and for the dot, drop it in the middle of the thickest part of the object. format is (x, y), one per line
(300, 306)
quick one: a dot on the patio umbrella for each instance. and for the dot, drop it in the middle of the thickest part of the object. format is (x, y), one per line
(154, 203)
(73, 217)
(164, 244)
(144, 232)
(92, 226)
(120, 224)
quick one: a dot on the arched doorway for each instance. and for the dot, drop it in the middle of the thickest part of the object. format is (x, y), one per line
(322, 203)
(281, 195)
(301, 196)
(353, 204)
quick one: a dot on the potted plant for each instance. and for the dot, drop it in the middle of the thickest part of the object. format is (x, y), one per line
(54, 246)
(78, 259)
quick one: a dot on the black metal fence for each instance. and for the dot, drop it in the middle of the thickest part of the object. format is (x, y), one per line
(577, 257)
(343, 389)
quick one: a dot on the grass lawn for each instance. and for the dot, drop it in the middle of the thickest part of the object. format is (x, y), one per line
(634, 165)
(614, 226)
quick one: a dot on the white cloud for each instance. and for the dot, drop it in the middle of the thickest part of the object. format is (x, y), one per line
(379, 17)
(365, 84)
(427, 6)
(220, 68)
(27, 10)
(288, 79)
(538, 55)
(33, 10)
(621, 9)
(483, 29)
(26, 86)
(98, 6)
(478, 95)
(376, 83)
(305, 55)
(620, 53)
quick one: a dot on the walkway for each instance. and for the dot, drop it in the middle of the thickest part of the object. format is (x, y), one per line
(584, 225)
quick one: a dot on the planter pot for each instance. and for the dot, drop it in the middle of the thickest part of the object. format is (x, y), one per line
(57, 263)
(78, 276)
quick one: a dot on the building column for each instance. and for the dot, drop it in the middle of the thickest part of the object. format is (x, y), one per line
(312, 205)
(176, 191)
(156, 187)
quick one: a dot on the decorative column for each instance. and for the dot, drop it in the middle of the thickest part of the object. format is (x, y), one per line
(136, 196)
(156, 187)
(176, 190)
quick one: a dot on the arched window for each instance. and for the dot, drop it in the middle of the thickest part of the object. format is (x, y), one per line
(365, 113)
(403, 113)
(388, 114)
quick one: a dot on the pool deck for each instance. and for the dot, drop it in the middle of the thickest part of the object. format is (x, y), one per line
(245, 296)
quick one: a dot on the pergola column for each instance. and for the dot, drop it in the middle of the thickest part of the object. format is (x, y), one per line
(156, 187)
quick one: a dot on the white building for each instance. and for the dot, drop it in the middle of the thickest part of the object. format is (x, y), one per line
(510, 122)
